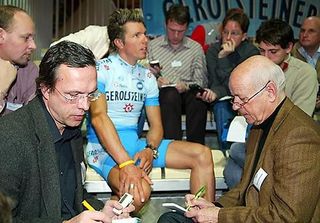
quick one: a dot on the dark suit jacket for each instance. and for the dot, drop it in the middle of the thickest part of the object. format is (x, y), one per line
(29, 169)
(291, 158)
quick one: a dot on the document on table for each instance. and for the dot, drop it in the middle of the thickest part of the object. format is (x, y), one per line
(237, 130)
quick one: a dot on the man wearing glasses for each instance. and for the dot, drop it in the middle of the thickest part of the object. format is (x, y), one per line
(283, 151)
(275, 39)
(42, 164)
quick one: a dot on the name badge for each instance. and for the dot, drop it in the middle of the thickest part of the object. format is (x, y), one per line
(176, 63)
(83, 172)
(259, 178)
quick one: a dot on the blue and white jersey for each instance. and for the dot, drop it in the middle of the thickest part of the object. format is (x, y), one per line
(127, 89)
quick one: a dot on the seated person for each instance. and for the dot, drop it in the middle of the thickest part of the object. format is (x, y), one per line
(307, 48)
(126, 86)
(42, 163)
(281, 172)
(275, 39)
(182, 63)
(222, 58)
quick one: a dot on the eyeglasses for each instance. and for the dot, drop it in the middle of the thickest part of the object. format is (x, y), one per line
(246, 100)
(74, 98)
(232, 33)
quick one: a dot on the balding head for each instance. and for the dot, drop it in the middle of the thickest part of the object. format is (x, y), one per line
(309, 36)
(256, 71)
(258, 87)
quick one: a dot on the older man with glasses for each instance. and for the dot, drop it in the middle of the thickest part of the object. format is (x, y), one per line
(283, 153)
(275, 39)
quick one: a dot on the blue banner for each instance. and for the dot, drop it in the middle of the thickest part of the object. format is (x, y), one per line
(202, 11)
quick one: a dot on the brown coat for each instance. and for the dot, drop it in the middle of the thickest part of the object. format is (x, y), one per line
(291, 158)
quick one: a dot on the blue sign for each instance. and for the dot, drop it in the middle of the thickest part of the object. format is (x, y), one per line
(202, 11)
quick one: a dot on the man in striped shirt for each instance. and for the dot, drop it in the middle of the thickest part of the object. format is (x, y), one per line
(182, 63)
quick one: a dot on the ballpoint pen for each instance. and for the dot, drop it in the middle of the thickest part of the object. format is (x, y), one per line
(87, 205)
(199, 194)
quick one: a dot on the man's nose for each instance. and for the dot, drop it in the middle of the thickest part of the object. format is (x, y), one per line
(145, 38)
(32, 44)
(265, 54)
(176, 33)
(236, 106)
(84, 103)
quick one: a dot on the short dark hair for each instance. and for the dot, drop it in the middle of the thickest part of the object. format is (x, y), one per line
(67, 53)
(7, 13)
(237, 15)
(116, 22)
(178, 13)
(275, 32)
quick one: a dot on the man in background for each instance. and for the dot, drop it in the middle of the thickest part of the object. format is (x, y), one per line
(275, 38)
(307, 48)
(183, 63)
(16, 46)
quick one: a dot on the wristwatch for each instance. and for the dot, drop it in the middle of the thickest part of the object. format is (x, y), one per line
(155, 152)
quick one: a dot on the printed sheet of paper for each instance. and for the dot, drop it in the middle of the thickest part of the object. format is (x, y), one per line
(237, 130)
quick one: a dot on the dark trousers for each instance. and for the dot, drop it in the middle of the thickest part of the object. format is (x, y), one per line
(173, 105)
(172, 217)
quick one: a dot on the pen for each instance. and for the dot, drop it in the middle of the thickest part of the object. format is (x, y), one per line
(199, 194)
(87, 205)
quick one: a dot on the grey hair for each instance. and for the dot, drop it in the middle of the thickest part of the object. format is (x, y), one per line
(269, 72)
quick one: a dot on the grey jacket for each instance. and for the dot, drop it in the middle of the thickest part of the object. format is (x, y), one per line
(29, 170)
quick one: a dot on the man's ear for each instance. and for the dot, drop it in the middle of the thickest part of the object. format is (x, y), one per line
(272, 91)
(118, 43)
(2, 35)
(45, 91)
(245, 36)
(289, 48)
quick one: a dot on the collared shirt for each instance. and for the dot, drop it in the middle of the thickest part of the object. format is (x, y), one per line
(185, 64)
(310, 60)
(66, 165)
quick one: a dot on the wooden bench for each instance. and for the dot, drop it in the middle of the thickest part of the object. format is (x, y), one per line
(165, 179)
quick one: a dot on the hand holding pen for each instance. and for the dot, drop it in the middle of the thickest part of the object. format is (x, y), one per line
(199, 194)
